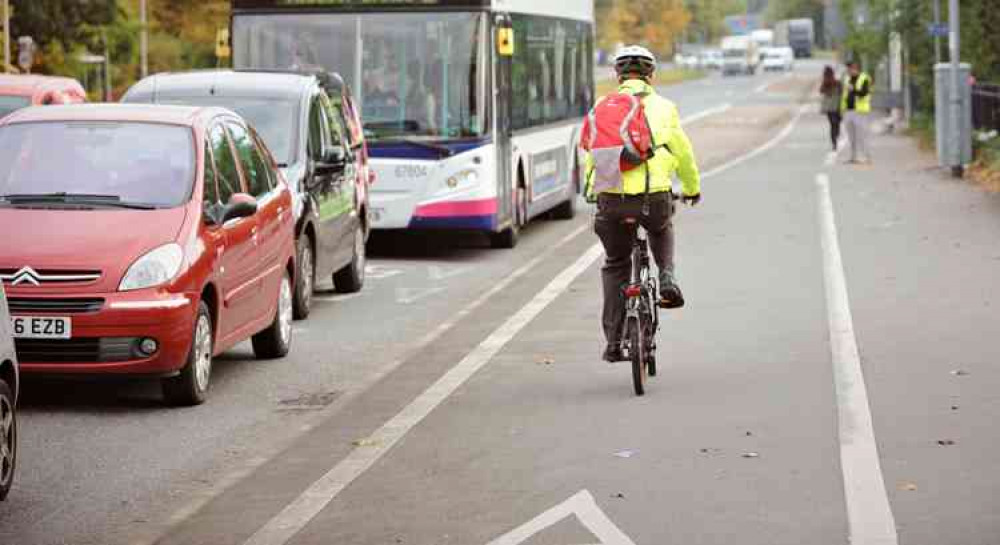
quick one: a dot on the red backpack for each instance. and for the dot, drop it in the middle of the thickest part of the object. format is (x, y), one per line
(618, 137)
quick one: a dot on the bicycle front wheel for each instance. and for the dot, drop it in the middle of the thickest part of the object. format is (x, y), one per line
(637, 353)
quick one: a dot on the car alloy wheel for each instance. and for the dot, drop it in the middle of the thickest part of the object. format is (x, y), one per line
(203, 352)
(285, 311)
(302, 301)
(8, 439)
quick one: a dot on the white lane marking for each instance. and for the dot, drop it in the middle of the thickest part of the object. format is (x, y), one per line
(159, 530)
(582, 505)
(280, 529)
(705, 113)
(868, 512)
(378, 272)
(339, 297)
(767, 145)
(408, 296)
(437, 272)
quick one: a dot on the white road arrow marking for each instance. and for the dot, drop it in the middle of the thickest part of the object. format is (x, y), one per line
(582, 505)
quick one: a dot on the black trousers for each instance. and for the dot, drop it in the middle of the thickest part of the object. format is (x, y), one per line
(617, 239)
(834, 118)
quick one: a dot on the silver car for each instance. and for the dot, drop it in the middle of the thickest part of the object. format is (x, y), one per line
(9, 386)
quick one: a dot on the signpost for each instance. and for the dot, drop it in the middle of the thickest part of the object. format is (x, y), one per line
(222, 48)
(6, 35)
(25, 53)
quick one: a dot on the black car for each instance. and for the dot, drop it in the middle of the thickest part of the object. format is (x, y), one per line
(313, 141)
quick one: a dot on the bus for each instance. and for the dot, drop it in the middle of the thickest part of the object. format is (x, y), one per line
(472, 108)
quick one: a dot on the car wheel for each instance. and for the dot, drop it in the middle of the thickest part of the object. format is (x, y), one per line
(351, 278)
(8, 439)
(190, 387)
(276, 340)
(306, 262)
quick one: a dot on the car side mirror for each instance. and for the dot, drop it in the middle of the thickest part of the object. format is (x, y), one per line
(334, 156)
(240, 205)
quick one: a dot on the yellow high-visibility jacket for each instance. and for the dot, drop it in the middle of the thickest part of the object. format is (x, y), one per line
(862, 105)
(665, 124)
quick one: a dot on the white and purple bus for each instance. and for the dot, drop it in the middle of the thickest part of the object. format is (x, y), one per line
(464, 133)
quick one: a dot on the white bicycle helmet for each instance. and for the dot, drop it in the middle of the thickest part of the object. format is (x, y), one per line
(635, 58)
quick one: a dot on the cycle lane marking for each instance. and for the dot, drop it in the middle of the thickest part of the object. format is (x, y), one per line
(581, 504)
(869, 514)
(294, 517)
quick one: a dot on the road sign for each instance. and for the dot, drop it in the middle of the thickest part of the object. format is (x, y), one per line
(582, 505)
(937, 30)
(222, 49)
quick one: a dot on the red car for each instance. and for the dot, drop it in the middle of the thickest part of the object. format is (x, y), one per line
(20, 91)
(142, 241)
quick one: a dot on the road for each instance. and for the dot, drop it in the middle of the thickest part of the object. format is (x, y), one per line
(830, 379)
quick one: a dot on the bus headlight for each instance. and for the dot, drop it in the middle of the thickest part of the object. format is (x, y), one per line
(462, 179)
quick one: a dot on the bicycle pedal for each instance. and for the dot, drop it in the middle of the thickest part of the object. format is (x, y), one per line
(669, 304)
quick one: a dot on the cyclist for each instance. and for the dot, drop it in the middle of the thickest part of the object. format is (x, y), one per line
(634, 66)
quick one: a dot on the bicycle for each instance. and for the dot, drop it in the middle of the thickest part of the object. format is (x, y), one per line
(642, 318)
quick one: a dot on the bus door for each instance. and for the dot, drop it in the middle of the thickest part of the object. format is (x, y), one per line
(502, 62)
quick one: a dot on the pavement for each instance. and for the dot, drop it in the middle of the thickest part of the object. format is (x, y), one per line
(830, 380)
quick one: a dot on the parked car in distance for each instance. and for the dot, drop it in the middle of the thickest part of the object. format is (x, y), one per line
(318, 142)
(19, 91)
(779, 59)
(142, 241)
(9, 389)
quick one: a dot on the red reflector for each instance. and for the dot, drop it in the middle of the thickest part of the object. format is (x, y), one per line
(633, 291)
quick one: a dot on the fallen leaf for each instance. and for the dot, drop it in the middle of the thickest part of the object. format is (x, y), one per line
(945, 442)
(369, 442)
(626, 453)
(749, 434)
(907, 487)
(618, 496)
(960, 372)
(546, 361)
(750, 455)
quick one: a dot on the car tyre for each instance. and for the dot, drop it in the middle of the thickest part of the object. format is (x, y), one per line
(306, 263)
(275, 341)
(190, 387)
(351, 278)
(8, 439)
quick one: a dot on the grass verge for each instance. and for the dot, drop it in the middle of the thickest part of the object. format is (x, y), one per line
(664, 77)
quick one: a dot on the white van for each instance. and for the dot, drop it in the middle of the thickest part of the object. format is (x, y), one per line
(739, 55)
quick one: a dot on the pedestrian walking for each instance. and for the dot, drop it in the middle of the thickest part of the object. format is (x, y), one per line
(857, 104)
(832, 92)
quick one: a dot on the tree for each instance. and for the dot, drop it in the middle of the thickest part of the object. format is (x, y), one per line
(654, 23)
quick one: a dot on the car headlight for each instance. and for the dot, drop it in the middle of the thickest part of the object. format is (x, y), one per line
(463, 178)
(156, 267)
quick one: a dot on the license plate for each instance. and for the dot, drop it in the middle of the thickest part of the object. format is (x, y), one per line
(41, 327)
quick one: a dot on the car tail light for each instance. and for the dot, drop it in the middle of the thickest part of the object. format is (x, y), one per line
(633, 291)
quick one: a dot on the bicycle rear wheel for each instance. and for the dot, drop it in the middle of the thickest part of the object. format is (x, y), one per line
(637, 353)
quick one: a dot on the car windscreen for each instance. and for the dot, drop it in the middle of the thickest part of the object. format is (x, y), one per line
(10, 103)
(128, 162)
(276, 120)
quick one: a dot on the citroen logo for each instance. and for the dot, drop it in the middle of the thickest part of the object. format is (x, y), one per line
(26, 275)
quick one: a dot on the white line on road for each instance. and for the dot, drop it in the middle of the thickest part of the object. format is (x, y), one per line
(868, 512)
(202, 498)
(705, 113)
(757, 151)
(582, 505)
(297, 515)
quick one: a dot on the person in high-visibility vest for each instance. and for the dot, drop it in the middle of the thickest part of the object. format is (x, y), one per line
(856, 105)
